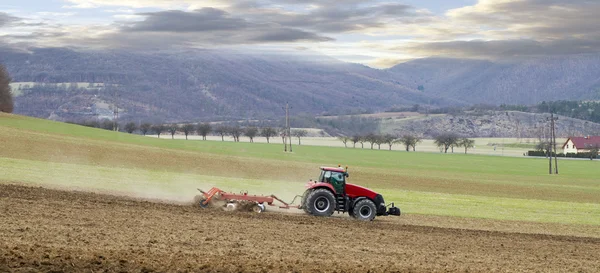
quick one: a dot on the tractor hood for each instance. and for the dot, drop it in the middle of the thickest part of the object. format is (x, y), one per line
(354, 191)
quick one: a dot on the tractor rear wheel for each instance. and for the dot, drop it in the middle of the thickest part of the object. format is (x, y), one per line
(364, 210)
(320, 202)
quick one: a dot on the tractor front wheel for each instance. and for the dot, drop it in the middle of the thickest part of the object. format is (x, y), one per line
(320, 202)
(364, 210)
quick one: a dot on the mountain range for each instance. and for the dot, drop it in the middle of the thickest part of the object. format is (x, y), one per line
(63, 84)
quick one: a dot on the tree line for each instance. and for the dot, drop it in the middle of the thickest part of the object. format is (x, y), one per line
(6, 99)
(408, 141)
(202, 129)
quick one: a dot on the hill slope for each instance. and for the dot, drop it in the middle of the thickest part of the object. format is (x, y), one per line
(489, 124)
(194, 85)
(530, 81)
(200, 84)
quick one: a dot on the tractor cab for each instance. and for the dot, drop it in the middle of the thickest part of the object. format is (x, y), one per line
(336, 177)
(331, 192)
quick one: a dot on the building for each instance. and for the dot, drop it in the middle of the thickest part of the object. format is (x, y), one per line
(581, 144)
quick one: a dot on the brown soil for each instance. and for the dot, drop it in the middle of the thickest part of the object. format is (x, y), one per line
(45, 230)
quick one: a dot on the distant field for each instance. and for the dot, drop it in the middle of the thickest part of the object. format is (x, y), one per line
(483, 146)
(18, 87)
(457, 185)
(380, 115)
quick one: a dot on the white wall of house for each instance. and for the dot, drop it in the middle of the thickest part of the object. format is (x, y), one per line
(570, 147)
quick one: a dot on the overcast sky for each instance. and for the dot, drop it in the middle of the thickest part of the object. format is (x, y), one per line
(373, 32)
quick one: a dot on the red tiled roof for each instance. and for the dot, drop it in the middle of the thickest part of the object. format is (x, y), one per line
(585, 142)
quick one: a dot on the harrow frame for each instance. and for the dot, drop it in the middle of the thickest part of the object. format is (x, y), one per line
(218, 194)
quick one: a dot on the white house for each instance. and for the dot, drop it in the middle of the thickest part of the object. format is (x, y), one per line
(581, 144)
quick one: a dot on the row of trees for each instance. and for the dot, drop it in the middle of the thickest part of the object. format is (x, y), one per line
(449, 141)
(443, 141)
(206, 129)
(409, 141)
(6, 99)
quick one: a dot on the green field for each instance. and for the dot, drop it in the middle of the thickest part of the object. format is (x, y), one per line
(62, 155)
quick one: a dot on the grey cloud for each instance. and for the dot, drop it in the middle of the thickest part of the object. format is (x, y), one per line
(334, 17)
(289, 35)
(206, 19)
(503, 48)
(245, 22)
(217, 27)
(7, 19)
(33, 36)
(550, 27)
(540, 18)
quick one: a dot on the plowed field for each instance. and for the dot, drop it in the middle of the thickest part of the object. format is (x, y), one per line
(45, 230)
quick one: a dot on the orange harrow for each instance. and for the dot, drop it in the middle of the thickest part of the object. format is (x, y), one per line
(233, 200)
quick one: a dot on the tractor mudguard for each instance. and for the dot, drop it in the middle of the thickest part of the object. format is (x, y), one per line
(313, 185)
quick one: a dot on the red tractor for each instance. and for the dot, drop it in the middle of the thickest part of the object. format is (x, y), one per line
(331, 193)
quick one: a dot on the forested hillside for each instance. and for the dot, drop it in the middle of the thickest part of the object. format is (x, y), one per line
(196, 85)
(524, 81)
(65, 84)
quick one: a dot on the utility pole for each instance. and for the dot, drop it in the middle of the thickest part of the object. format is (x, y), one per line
(552, 147)
(116, 112)
(287, 127)
(549, 149)
(554, 119)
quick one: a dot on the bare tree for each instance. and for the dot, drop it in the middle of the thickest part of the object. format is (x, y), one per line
(299, 134)
(130, 127)
(173, 128)
(251, 133)
(268, 133)
(158, 129)
(222, 130)
(409, 141)
(371, 138)
(389, 140)
(379, 140)
(187, 129)
(6, 98)
(466, 143)
(361, 140)
(204, 129)
(145, 128)
(594, 151)
(544, 146)
(236, 132)
(344, 139)
(283, 135)
(108, 124)
(446, 141)
(355, 139)
(416, 141)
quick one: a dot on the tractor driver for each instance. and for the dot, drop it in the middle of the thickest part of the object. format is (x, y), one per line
(337, 181)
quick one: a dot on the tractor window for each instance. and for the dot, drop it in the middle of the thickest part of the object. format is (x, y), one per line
(325, 176)
(339, 177)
